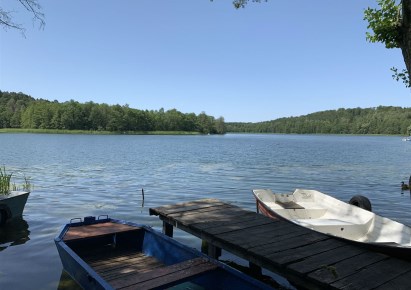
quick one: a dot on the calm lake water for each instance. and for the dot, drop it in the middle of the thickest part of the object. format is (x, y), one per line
(81, 175)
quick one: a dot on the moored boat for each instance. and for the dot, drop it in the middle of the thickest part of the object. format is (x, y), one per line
(12, 205)
(325, 214)
(107, 253)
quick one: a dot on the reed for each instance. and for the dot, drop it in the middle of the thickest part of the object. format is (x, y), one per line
(5, 181)
(8, 184)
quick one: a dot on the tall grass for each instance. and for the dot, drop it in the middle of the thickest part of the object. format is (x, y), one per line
(5, 181)
(7, 184)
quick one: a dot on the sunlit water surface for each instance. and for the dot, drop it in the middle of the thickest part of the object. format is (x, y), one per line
(81, 175)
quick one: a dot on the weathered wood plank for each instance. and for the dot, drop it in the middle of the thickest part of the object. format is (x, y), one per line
(222, 208)
(102, 253)
(208, 214)
(344, 268)
(136, 262)
(105, 258)
(243, 219)
(262, 235)
(287, 242)
(128, 270)
(220, 227)
(185, 206)
(374, 275)
(326, 259)
(164, 275)
(402, 282)
(95, 230)
(303, 252)
(116, 263)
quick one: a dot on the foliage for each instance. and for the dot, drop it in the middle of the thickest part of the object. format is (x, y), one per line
(403, 76)
(242, 3)
(385, 23)
(7, 184)
(18, 110)
(380, 120)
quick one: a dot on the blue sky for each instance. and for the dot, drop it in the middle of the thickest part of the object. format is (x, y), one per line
(269, 60)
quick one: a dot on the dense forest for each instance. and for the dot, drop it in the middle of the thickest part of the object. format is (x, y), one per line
(379, 120)
(18, 110)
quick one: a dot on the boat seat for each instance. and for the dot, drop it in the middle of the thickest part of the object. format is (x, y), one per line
(289, 204)
(163, 276)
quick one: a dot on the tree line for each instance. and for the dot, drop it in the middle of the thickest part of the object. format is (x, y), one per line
(18, 110)
(380, 120)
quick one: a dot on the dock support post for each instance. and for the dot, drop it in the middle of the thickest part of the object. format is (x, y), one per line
(211, 250)
(255, 269)
(214, 252)
(167, 229)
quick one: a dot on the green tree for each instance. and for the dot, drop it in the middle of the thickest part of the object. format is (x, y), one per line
(220, 126)
(18, 110)
(391, 24)
(98, 117)
(72, 116)
(205, 123)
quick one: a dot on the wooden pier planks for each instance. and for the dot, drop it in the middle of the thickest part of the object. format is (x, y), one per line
(308, 259)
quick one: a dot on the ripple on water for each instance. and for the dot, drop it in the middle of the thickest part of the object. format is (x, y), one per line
(76, 176)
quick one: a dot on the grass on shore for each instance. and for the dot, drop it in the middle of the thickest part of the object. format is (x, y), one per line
(91, 132)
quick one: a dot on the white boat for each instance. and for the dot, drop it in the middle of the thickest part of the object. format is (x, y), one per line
(325, 214)
(406, 138)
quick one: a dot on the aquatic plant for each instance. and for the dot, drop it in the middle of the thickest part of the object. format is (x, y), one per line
(8, 184)
(5, 180)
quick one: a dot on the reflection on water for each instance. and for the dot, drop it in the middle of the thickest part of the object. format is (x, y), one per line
(81, 175)
(14, 232)
(66, 283)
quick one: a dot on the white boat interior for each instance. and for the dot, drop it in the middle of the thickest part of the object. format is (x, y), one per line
(325, 214)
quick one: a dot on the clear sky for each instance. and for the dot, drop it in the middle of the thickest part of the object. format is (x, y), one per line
(269, 60)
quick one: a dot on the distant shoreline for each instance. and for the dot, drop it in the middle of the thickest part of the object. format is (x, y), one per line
(91, 132)
(187, 133)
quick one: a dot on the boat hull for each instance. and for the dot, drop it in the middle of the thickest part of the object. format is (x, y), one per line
(12, 205)
(393, 248)
(137, 256)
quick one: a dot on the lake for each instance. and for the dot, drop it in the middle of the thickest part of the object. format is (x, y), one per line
(81, 175)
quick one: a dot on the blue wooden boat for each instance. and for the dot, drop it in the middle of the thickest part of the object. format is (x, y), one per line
(106, 253)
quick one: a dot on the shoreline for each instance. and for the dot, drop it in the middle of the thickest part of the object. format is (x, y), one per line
(90, 132)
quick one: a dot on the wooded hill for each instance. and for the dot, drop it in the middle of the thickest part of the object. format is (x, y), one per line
(380, 120)
(18, 110)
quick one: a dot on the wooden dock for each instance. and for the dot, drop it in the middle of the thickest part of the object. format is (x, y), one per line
(309, 260)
